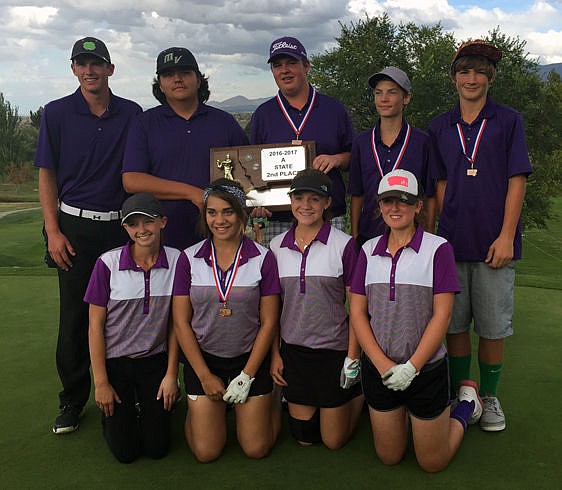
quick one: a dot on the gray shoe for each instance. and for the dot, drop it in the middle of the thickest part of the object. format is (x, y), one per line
(493, 418)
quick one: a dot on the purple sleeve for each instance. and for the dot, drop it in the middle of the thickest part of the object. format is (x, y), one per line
(44, 155)
(255, 137)
(269, 276)
(445, 270)
(358, 281)
(349, 261)
(182, 277)
(355, 187)
(437, 168)
(237, 136)
(97, 292)
(518, 157)
(136, 157)
(349, 132)
(429, 182)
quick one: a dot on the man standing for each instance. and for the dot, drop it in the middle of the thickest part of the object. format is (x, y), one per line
(79, 155)
(481, 166)
(168, 148)
(299, 112)
(391, 144)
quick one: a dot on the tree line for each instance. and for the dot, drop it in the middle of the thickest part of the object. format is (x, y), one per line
(425, 53)
(18, 140)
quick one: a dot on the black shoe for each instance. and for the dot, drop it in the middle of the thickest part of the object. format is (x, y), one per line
(67, 419)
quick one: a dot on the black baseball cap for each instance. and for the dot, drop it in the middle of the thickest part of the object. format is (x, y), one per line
(92, 46)
(142, 203)
(312, 180)
(173, 58)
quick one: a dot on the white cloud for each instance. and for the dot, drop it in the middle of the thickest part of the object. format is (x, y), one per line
(230, 38)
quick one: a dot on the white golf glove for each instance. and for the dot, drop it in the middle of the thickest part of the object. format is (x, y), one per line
(399, 377)
(238, 389)
(350, 372)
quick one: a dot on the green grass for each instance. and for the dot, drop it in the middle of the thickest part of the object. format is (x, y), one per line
(542, 254)
(525, 455)
(12, 195)
(22, 249)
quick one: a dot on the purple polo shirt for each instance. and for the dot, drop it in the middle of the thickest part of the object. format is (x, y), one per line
(400, 289)
(473, 207)
(137, 301)
(313, 285)
(85, 150)
(328, 124)
(365, 176)
(164, 144)
(256, 276)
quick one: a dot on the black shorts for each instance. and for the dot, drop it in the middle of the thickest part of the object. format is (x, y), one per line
(425, 398)
(313, 376)
(227, 368)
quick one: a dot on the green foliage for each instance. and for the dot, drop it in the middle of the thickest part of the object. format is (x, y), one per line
(10, 134)
(519, 85)
(18, 140)
(368, 46)
(35, 117)
(425, 53)
(18, 174)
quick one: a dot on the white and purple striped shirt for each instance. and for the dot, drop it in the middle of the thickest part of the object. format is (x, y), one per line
(400, 289)
(257, 276)
(137, 302)
(313, 286)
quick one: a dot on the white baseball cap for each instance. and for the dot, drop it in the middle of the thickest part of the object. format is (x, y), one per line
(400, 184)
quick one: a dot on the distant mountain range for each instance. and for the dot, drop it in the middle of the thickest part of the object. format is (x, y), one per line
(240, 104)
(546, 69)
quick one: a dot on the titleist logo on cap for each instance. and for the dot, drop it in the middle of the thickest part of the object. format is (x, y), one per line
(283, 44)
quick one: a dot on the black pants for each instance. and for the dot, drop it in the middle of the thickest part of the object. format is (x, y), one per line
(89, 239)
(130, 432)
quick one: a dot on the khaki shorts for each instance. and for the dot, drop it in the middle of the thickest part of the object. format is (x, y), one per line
(486, 298)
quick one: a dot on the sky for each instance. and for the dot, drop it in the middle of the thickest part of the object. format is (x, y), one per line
(229, 38)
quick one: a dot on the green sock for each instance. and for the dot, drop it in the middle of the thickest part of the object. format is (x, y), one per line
(489, 378)
(460, 369)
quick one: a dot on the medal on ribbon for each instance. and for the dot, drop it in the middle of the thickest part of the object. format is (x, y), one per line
(471, 172)
(296, 130)
(224, 288)
(400, 154)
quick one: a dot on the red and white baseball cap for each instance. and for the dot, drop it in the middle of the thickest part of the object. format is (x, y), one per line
(400, 184)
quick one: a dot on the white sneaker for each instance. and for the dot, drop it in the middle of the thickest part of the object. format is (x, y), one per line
(468, 391)
(493, 418)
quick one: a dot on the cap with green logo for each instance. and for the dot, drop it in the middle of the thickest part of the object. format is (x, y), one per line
(90, 45)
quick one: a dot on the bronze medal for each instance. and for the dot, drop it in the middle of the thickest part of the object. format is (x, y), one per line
(223, 312)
